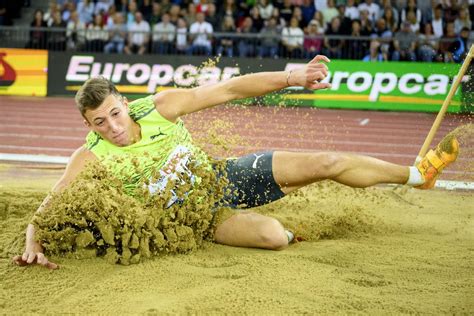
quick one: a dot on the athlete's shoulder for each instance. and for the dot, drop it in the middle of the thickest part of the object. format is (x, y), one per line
(141, 107)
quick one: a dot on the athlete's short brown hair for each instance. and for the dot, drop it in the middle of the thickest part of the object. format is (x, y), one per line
(93, 92)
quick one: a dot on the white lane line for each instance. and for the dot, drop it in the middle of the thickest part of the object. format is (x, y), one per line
(37, 148)
(34, 158)
(364, 122)
(18, 135)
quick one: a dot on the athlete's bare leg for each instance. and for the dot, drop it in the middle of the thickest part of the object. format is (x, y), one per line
(247, 229)
(295, 170)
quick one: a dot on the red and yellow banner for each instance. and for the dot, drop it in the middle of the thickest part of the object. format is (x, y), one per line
(23, 72)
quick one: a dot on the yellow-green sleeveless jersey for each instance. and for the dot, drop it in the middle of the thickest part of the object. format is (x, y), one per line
(137, 162)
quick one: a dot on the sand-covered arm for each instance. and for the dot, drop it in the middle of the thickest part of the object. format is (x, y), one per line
(33, 250)
(174, 103)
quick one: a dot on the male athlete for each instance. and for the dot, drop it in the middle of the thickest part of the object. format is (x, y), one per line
(153, 124)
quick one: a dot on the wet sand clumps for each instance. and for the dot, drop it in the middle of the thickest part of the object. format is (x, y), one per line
(465, 136)
(94, 217)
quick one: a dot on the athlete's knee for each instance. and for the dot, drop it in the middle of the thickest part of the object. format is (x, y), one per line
(272, 234)
(330, 164)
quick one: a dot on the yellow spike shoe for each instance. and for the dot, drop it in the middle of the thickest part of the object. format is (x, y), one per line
(436, 160)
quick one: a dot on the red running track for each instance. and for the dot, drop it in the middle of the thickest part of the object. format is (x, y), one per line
(53, 126)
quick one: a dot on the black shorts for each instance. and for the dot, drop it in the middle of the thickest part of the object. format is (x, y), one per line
(251, 181)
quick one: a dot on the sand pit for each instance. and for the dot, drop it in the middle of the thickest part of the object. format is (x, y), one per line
(370, 251)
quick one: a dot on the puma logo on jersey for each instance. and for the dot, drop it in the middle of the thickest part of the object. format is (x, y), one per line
(257, 157)
(157, 135)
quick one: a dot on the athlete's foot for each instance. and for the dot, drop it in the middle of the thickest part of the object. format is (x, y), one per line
(436, 160)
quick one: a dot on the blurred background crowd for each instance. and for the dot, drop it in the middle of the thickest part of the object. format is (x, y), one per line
(371, 30)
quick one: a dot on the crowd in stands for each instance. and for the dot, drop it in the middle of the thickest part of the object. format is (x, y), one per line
(371, 30)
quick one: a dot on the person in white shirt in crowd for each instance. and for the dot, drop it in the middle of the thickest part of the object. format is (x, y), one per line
(437, 23)
(48, 15)
(117, 34)
(463, 20)
(201, 33)
(331, 11)
(86, 8)
(265, 9)
(320, 4)
(414, 25)
(182, 44)
(76, 33)
(411, 7)
(103, 6)
(96, 35)
(351, 10)
(163, 36)
(292, 38)
(372, 7)
(138, 36)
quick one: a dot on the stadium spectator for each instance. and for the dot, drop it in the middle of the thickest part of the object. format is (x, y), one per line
(131, 13)
(308, 9)
(404, 44)
(174, 13)
(450, 10)
(182, 45)
(85, 8)
(333, 46)
(460, 47)
(330, 12)
(57, 36)
(246, 44)
(163, 36)
(225, 44)
(375, 53)
(228, 8)
(49, 15)
(426, 8)
(387, 6)
(37, 36)
(462, 21)
(202, 6)
(320, 4)
(313, 42)
(286, 11)
(445, 44)
(166, 6)
(138, 35)
(298, 14)
(346, 23)
(256, 20)
(384, 35)
(75, 33)
(366, 24)
(117, 35)
(109, 16)
(318, 16)
(146, 9)
(351, 10)
(102, 6)
(411, 7)
(189, 14)
(265, 9)
(96, 35)
(390, 18)
(270, 38)
(292, 38)
(414, 25)
(212, 17)
(372, 8)
(201, 34)
(68, 8)
(155, 16)
(356, 47)
(438, 23)
(428, 43)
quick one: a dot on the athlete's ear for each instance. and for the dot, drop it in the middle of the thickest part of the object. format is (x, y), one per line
(86, 123)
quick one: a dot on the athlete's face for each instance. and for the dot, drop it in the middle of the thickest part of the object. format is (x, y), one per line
(111, 121)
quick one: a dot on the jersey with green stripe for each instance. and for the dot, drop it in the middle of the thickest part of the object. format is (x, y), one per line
(136, 163)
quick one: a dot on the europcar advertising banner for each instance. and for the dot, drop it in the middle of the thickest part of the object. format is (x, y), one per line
(23, 72)
(355, 84)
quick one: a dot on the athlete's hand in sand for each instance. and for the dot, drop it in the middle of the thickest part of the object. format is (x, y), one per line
(34, 255)
(311, 75)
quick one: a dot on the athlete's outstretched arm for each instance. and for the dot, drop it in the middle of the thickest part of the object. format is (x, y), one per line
(33, 250)
(174, 103)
